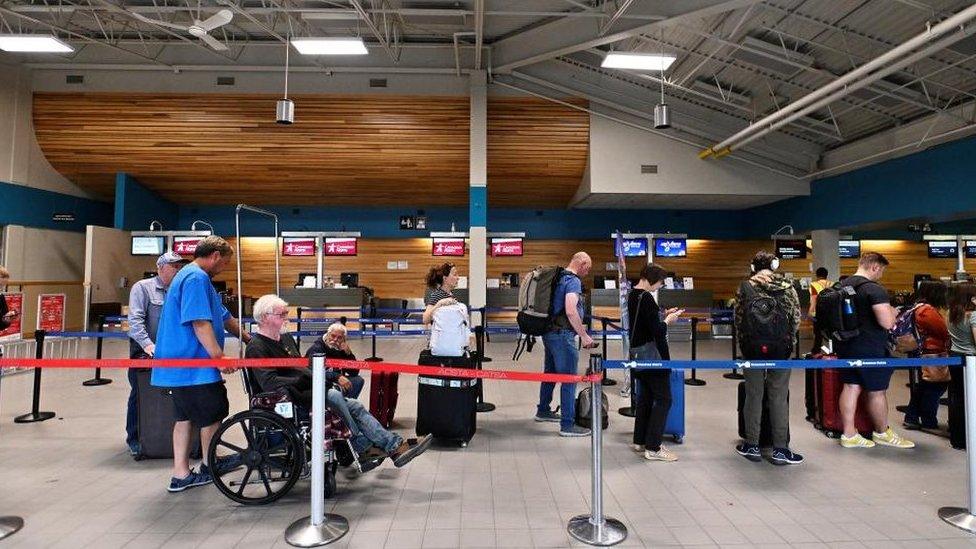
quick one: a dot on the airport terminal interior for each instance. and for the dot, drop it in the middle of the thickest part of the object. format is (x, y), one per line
(633, 273)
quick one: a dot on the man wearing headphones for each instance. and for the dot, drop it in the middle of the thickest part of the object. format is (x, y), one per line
(767, 315)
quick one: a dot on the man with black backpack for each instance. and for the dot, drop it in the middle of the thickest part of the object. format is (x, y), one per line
(767, 314)
(564, 317)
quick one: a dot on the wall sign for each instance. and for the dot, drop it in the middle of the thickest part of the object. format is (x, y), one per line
(502, 247)
(185, 245)
(50, 312)
(63, 217)
(15, 302)
(408, 223)
(298, 247)
(340, 246)
(448, 247)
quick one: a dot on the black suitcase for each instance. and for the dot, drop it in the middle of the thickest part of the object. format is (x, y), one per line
(765, 426)
(155, 409)
(447, 407)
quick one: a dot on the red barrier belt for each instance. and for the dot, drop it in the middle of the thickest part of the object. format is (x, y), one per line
(509, 375)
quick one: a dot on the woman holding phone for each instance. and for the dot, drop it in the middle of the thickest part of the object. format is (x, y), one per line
(649, 341)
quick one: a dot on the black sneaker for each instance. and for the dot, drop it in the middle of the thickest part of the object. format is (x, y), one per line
(749, 451)
(191, 480)
(371, 459)
(784, 456)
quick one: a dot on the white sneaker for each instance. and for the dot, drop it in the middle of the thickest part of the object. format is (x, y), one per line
(638, 447)
(661, 455)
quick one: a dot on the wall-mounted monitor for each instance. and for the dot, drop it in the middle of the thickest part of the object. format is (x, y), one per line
(506, 247)
(341, 246)
(185, 245)
(849, 249)
(791, 249)
(943, 249)
(971, 249)
(635, 247)
(298, 247)
(452, 247)
(670, 247)
(148, 245)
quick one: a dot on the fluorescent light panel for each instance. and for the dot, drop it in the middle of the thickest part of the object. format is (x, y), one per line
(637, 61)
(330, 46)
(33, 43)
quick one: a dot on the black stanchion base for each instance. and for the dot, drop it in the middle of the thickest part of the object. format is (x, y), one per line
(94, 382)
(627, 411)
(373, 359)
(10, 525)
(486, 359)
(733, 375)
(607, 382)
(695, 382)
(33, 418)
(903, 408)
(485, 407)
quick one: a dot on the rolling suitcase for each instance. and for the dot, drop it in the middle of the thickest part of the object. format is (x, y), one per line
(765, 424)
(383, 395)
(828, 388)
(674, 426)
(447, 407)
(155, 409)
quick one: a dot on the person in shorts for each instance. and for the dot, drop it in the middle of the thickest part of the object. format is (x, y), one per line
(875, 317)
(192, 326)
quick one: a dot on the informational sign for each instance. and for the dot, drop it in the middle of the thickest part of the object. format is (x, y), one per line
(791, 249)
(50, 312)
(185, 245)
(15, 302)
(340, 246)
(409, 223)
(943, 249)
(634, 247)
(453, 247)
(148, 245)
(849, 249)
(420, 223)
(298, 247)
(971, 249)
(670, 247)
(502, 247)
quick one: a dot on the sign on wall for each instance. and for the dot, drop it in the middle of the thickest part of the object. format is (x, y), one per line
(448, 247)
(15, 302)
(50, 312)
(340, 246)
(185, 245)
(298, 247)
(502, 247)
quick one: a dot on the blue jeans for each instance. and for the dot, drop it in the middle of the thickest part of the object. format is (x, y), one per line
(132, 410)
(366, 430)
(562, 357)
(357, 386)
(924, 404)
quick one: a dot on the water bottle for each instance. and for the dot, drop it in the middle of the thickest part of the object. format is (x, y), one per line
(848, 306)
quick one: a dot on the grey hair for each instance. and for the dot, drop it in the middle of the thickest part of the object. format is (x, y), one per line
(265, 305)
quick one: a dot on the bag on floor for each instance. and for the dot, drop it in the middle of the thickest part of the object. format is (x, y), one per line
(584, 409)
(383, 395)
(155, 419)
(447, 407)
(450, 331)
(535, 304)
(828, 387)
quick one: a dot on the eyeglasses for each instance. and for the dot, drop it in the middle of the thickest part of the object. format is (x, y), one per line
(283, 314)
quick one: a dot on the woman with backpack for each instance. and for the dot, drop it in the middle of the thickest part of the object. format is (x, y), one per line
(962, 332)
(928, 310)
(649, 341)
(441, 281)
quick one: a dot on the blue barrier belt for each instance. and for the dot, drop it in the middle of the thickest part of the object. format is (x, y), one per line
(782, 364)
(105, 335)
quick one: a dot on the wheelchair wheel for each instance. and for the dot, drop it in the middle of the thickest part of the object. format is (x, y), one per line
(270, 451)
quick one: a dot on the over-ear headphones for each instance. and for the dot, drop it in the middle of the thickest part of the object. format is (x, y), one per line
(773, 265)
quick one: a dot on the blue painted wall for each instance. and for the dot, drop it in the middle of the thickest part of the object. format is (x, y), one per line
(136, 206)
(20, 205)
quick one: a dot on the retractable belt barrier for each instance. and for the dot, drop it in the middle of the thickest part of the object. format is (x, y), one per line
(782, 364)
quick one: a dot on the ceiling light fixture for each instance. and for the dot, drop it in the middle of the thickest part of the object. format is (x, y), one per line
(637, 61)
(285, 110)
(330, 46)
(33, 43)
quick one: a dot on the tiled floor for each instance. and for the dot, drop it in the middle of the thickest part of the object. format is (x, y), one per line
(516, 485)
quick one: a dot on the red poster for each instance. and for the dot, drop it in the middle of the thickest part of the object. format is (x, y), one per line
(50, 312)
(340, 246)
(449, 247)
(501, 247)
(15, 302)
(298, 247)
(185, 245)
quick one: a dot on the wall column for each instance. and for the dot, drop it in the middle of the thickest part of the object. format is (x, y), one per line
(825, 251)
(478, 192)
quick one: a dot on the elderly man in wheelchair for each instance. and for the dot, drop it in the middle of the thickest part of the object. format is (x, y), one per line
(275, 444)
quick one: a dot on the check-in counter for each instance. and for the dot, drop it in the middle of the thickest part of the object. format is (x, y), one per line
(337, 301)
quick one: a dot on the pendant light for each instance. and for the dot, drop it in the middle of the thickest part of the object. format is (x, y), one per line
(662, 112)
(285, 112)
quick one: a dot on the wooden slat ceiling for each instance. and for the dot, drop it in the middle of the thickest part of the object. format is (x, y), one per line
(349, 150)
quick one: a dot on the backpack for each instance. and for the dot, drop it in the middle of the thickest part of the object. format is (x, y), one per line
(837, 311)
(535, 304)
(449, 331)
(904, 339)
(584, 409)
(764, 330)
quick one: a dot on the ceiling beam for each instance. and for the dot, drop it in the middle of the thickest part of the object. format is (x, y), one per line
(479, 31)
(565, 36)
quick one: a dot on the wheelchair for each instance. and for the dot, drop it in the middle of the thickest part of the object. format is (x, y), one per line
(273, 440)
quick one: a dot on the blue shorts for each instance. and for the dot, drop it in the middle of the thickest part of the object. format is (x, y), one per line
(870, 379)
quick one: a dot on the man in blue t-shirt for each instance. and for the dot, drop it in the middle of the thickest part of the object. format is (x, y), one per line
(192, 326)
(562, 357)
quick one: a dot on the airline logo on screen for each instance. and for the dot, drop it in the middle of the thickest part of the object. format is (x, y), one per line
(506, 247)
(303, 247)
(451, 247)
(635, 247)
(340, 246)
(671, 247)
(185, 246)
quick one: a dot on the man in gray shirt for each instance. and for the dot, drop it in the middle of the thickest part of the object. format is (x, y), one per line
(145, 307)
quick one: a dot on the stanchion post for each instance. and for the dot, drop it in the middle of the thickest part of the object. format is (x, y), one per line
(35, 414)
(595, 528)
(694, 381)
(606, 381)
(487, 334)
(98, 379)
(479, 343)
(372, 357)
(319, 528)
(958, 516)
(734, 374)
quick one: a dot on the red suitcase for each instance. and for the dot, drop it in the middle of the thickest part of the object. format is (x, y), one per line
(828, 387)
(383, 394)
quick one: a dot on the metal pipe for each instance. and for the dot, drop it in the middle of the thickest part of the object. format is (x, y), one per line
(318, 439)
(240, 248)
(372, 27)
(959, 517)
(596, 480)
(851, 77)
